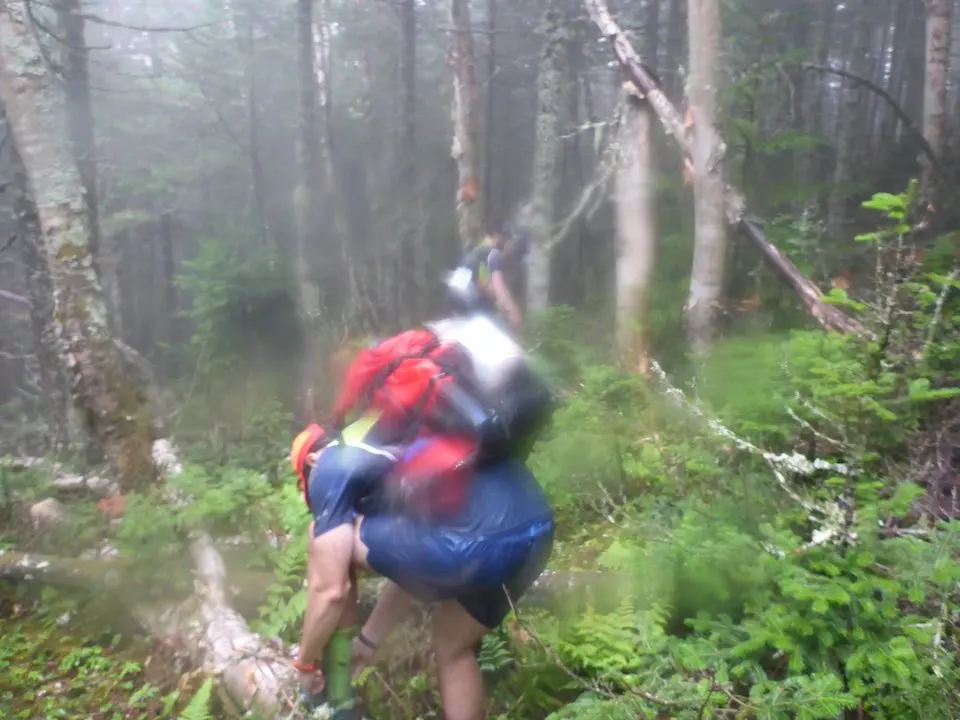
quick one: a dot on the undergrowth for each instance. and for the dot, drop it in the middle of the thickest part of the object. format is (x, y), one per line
(734, 579)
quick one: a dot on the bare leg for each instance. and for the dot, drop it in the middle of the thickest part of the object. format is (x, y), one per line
(455, 636)
(392, 606)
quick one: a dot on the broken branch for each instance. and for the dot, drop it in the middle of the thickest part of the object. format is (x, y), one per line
(829, 316)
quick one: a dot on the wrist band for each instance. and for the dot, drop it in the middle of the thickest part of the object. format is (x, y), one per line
(365, 640)
(306, 668)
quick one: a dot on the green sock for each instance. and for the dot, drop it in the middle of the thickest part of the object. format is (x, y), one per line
(337, 668)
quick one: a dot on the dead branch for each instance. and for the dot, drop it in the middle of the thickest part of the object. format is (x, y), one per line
(830, 317)
(894, 105)
(98, 20)
(13, 236)
(829, 517)
(13, 297)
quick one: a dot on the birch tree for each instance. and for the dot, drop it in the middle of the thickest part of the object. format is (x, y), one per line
(551, 101)
(113, 410)
(464, 112)
(636, 228)
(710, 246)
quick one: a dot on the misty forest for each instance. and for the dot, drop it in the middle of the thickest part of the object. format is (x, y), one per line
(743, 278)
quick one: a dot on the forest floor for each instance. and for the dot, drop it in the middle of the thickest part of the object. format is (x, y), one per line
(57, 661)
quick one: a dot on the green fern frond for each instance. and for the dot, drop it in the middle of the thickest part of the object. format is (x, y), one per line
(199, 706)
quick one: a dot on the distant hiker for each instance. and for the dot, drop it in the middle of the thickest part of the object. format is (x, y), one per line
(500, 250)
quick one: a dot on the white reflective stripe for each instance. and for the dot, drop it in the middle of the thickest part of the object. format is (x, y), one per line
(369, 448)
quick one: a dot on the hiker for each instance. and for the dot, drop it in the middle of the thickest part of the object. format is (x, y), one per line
(475, 563)
(500, 250)
(421, 480)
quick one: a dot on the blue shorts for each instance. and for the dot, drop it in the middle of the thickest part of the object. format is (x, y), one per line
(483, 574)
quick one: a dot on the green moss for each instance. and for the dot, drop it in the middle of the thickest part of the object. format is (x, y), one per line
(70, 251)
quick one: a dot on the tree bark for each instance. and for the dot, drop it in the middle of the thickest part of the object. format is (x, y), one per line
(307, 198)
(935, 90)
(106, 255)
(58, 415)
(809, 294)
(464, 148)
(112, 409)
(412, 262)
(636, 217)
(710, 247)
(547, 155)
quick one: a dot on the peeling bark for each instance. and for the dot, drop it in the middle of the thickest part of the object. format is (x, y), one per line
(636, 231)
(809, 294)
(112, 409)
(464, 113)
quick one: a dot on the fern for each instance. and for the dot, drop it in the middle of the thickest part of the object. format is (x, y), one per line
(199, 706)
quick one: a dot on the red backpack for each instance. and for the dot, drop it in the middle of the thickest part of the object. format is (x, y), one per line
(403, 378)
(419, 387)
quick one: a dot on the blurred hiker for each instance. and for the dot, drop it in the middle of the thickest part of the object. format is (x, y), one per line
(501, 250)
(421, 480)
(475, 565)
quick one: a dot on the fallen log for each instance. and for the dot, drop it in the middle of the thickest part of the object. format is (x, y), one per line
(555, 590)
(255, 673)
(255, 676)
(829, 316)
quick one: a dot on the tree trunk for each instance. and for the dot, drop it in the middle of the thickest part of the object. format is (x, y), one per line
(488, 204)
(243, 21)
(412, 261)
(636, 216)
(898, 56)
(651, 33)
(811, 167)
(464, 148)
(547, 155)
(935, 90)
(112, 408)
(106, 252)
(307, 198)
(168, 287)
(63, 433)
(848, 113)
(348, 304)
(674, 51)
(710, 248)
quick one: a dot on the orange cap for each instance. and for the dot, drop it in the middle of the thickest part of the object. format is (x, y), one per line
(303, 444)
